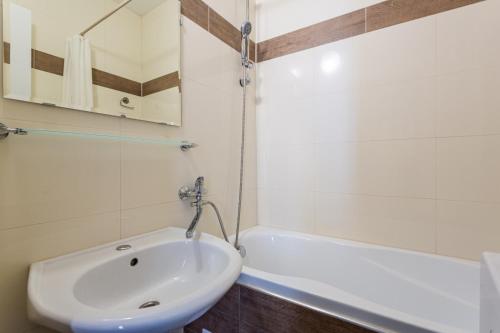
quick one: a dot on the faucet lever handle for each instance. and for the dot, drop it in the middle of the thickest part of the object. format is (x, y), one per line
(186, 192)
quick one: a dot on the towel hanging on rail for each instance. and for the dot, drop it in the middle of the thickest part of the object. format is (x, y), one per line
(77, 77)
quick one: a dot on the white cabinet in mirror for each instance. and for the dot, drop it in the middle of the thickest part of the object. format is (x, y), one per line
(114, 57)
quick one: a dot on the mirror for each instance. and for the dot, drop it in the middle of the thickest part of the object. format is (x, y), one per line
(113, 57)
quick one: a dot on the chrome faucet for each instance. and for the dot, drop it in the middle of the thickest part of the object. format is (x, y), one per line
(196, 193)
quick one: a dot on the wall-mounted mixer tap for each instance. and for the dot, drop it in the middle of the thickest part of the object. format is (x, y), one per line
(196, 193)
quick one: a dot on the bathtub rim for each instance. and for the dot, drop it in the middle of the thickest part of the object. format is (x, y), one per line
(259, 280)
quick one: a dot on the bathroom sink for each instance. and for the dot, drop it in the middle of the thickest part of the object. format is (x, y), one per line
(153, 283)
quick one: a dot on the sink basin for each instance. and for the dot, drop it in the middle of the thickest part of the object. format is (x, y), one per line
(153, 283)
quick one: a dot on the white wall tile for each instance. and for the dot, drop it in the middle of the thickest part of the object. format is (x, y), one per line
(467, 37)
(277, 17)
(288, 167)
(467, 168)
(290, 76)
(390, 55)
(398, 222)
(466, 229)
(288, 121)
(380, 112)
(338, 66)
(469, 103)
(404, 168)
(400, 117)
(293, 210)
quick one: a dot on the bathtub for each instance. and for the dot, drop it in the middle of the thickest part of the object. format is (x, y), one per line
(380, 288)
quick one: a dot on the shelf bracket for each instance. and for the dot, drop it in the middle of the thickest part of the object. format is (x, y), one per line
(5, 131)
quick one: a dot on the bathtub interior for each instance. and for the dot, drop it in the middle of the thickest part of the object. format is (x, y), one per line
(434, 288)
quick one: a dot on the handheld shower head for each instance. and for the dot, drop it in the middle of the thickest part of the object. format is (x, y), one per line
(246, 28)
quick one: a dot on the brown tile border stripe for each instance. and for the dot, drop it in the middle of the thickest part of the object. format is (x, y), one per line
(389, 13)
(222, 29)
(47, 62)
(335, 29)
(207, 18)
(378, 16)
(162, 83)
(197, 11)
(6, 53)
(111, 81)
(55, 65)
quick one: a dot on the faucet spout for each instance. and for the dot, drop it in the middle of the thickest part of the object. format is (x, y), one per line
(197, 194)
(192, 227)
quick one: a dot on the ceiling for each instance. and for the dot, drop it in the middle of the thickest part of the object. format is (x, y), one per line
(141, 7)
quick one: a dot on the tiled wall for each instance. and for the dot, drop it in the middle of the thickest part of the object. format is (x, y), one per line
(58, 195)
(389, 137)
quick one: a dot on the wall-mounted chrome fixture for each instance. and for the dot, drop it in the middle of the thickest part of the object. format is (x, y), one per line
(246, 30)
(185, 145)
(125, 101)
(196, 194)
(5, 131)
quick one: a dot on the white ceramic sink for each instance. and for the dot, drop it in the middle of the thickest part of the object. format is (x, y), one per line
(102, 289)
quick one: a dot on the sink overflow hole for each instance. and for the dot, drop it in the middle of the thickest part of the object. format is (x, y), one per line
(134, 262)
(149, 304)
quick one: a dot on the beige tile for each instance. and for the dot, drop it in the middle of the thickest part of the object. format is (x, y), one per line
(338, 66)
(48, 178)
(248, 210)
(152, 174)
(467, 168)
(291, 210)
(404, 168)
(468, 103)
(462, 46)
(392, 56)
(291, 76)
(22, 246)
(466, 229)
(208, 60)
(377, 112)
(288, 167)
(397, 222)
(145, 219)
(298, 127)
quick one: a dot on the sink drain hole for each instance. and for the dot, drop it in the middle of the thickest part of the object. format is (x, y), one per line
(134, 262)
(149, 304)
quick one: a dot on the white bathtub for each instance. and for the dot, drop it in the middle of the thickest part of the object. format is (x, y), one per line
(384, 289)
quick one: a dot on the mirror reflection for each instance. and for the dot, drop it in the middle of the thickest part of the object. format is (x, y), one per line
(113, 57)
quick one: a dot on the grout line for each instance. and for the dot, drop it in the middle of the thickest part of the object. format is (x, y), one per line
(69, 219)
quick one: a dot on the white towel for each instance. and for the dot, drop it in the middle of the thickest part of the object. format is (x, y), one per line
(77, 77)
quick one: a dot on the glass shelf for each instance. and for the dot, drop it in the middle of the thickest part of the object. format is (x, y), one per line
(183, 144)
